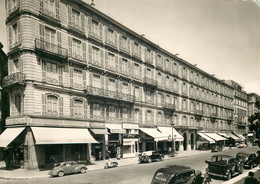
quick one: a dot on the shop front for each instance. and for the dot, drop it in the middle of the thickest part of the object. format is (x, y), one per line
(115, 140)
(130, 140)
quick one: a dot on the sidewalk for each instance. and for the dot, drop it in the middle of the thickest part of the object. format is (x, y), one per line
(20, 174)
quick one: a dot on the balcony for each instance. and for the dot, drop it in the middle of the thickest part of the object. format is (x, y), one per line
(198, 114)
(214, 115)
(76, 28)
(124, 48)
(168, 68)
(95, 35)
(159, 64)
(136, 53)
(111, 43)
(168, 106)
(14, 79)
(107, 94)
(49, 48)
(150, 82)
(149, 59)
(49, 15)
(149, 100)
(230, 118)
(96, 63)
(76, 57)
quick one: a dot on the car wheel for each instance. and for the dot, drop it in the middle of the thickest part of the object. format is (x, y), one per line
(251, 166)
(61, 173)
(162, 158)
(83, 170)
(105, 167)
(149, 160)
(229, 176)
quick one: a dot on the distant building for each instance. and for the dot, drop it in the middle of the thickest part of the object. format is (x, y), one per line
(252, 98)
(3, 94)
(240, 108)
(81, 84)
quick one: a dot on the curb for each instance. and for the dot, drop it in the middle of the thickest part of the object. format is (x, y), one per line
(47, 176)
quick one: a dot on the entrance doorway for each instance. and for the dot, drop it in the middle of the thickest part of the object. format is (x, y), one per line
(184, 141)
(192, 140)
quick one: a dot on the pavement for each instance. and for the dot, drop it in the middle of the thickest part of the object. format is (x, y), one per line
(20, 174)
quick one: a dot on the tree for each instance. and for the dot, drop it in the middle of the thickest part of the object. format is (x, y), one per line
(254, 121)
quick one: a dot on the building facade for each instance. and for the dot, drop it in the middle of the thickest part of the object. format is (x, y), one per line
(76, 68)
(240, 108)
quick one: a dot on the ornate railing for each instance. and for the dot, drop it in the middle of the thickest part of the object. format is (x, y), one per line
(16, 78)
(150, 81)
(168, 106)
(50, 48)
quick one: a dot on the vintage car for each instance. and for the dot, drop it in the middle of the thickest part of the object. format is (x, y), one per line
(150, 156)
(224, 166)
(248, 159)
(177, 174)
(60, 169)
(241, 145)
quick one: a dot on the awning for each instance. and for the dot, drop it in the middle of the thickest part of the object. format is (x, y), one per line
(9, 135)
(169, 131)
(214, 136)
(211, 141)
(115, 128)
(44, 135)
(153, 132)
(241, 137)
(98, 131)
(232, 136)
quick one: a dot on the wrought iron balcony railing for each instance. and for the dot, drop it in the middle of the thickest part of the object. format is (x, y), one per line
(76, 27)
(150, 82)
(109, 94)
(16, 78)
(168, 106)
(50, 48)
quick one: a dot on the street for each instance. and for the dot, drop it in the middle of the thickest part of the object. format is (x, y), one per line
(132, 174)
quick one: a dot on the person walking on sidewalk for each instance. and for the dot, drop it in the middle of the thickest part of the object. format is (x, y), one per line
(250, 179)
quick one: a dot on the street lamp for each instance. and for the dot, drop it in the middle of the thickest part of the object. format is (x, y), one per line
(173, 143)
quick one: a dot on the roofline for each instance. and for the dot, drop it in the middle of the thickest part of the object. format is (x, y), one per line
(94, 10)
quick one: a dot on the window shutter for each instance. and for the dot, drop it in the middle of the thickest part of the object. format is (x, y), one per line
(84, 79)
(69, 14)
(41, 32)
(70, 45)
(128, 45)
(140, 71)
(84, 51)
(116, 61)
(43, 70)
(141, 93)
(106, 34)
(117, 85)
(85, 109)
(19, 31)
(102, 81)
(61, 106)
(43, 104)
(120, 64)
(120, 86)
(106, 58)
(8, 4)
(82, 16)
(100, 31)
(132, 47)
(141, 115)
(129, 88)
(10, 37)
(146, 116)
(90, 29)
(71, 76)
(59, 42)
(120, 41)
(57, 5)
(90, 53)
(115, 37)
(90, 78)
(101, 52)
(139, 50)
(107, 80)
(60, 74)
(71, 107)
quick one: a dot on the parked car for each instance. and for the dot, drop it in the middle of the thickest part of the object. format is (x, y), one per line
(242, 145)
(224, 166)
(150, 156)
(248, 159)
(60, 169)
(177, 174)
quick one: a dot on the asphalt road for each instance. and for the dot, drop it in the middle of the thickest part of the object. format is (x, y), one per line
(132, 174)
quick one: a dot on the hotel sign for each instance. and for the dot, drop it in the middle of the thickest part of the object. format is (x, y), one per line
(130, 126)
(117, 131)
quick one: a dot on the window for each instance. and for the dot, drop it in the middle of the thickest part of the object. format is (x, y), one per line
(175, 85)
(14, 34)
(148, 73)
(125, 88)
(159, 79)
(138, 93)
(159, 99)
(137, 70)
(77, 78)
(110, 35)
(12, 5)
(112, 114)
(125, 114)
(137, 115)
(75, 17)
(111, 60)
(96, 81)
(52, 75)
(95, 28)
(149, 117)
(95, 54)
(136, 49)
(184, 104)
(49, 36)
(175, 68)
(159, 117)
(52, 105)
(48, 6)
(78, 108)
(167, 82)
(124, 65)
(76, 45)
(18, 101)
(111, 85)
(15, 66)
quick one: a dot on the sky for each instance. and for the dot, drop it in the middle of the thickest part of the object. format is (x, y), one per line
(221, 37)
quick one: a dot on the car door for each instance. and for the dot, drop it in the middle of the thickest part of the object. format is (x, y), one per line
(73, 166)
(67, 167)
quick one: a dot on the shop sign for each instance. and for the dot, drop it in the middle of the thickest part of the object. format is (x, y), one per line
(117, 131)
(130, 126)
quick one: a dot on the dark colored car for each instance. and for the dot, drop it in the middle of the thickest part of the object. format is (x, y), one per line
(248, 159)
(60, 169)
(150, 156)
(224, 166)
(177, 174)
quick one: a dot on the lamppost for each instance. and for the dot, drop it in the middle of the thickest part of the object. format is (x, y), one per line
(173, 143)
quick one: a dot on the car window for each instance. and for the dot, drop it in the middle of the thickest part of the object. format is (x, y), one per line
(231, 161)
(183, 177)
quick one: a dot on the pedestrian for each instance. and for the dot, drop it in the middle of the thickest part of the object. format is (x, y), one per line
(230, 146)
(250, 179)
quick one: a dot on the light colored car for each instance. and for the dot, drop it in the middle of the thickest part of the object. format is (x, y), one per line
(242, 145)
(60, 169)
